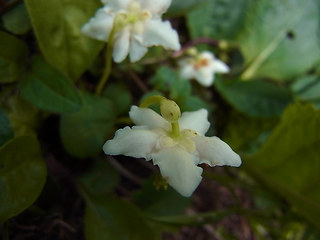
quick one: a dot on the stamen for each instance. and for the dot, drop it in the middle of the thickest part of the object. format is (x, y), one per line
(202, 63)
(145, 15)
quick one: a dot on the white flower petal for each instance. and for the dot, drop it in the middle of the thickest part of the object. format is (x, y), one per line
(197, 121)
(157, 32)
(155, 7)
(116, 4)
(147, 117)
(121, 45)
(207, 55)
(177, 167)
(219, 66)
(187, 71)
(215, 152)
(205, 76)
(100, 25)
(135, 142)
(137, 51)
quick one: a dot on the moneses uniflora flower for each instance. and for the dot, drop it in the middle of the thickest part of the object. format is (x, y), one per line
(132, 26)
(202, 67)
(175, 143)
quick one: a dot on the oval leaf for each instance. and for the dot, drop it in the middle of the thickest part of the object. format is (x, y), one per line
(159, 202)
(181, 7)
(6, 132)
(112, 218)
(289, 161)
(48, 89)
(120, 97)
(217, 19)
(17, 20)
(57, 25)
(307, 88)
(280, 40)
(83, 133)
(255, 98)
(12, 57)
(22, 175)
(100, 179)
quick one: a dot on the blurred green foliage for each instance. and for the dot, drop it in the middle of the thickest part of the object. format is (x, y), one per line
(57, 26)
(280, 41)
(48, 89)
(84, 132)
(22, 175)
(12, 57)
(289, 161)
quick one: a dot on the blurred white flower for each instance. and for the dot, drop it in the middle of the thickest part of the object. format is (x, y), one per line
(137, 25)
(202, 67)
(177, 154)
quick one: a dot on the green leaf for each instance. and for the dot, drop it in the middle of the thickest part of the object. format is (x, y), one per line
(12, 57)
(120, 96)
(6, 132)
(194, 103)
(57, 25)
(17, 20)
(163, 78)
(196, 219)
(181, 7)
(100, 179)
(23, 116)
(48, 89)
(236, 132)
(112, 218)
(83, 133)
(166, 80)
(180, 89)
(159, 203)
(307, 88)
(274, 39)
(217, 19)
(22, 175)
(255, 98)
(289, 161)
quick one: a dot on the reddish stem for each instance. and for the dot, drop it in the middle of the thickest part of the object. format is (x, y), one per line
(208, 41)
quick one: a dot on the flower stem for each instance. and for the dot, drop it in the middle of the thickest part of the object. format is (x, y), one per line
(107, 69)
(175, 132)
(151, 100)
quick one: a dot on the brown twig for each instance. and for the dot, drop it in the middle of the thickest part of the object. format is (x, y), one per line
(139, 82)
(124, 171)
(64, 224)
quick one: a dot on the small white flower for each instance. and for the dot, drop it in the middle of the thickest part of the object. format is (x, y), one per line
(177, 157)
(138, 26)
(202, 67)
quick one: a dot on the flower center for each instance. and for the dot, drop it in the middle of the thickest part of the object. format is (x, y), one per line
(185, 140)
(135, 13)
(204, 62)
(134, 16)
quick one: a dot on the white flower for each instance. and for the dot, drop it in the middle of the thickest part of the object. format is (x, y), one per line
(176, 156)
(138, 25)
(202, 67)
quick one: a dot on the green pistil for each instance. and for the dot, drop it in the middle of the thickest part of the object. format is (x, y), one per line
(151, 100)
(175, 131)
(169, 111)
